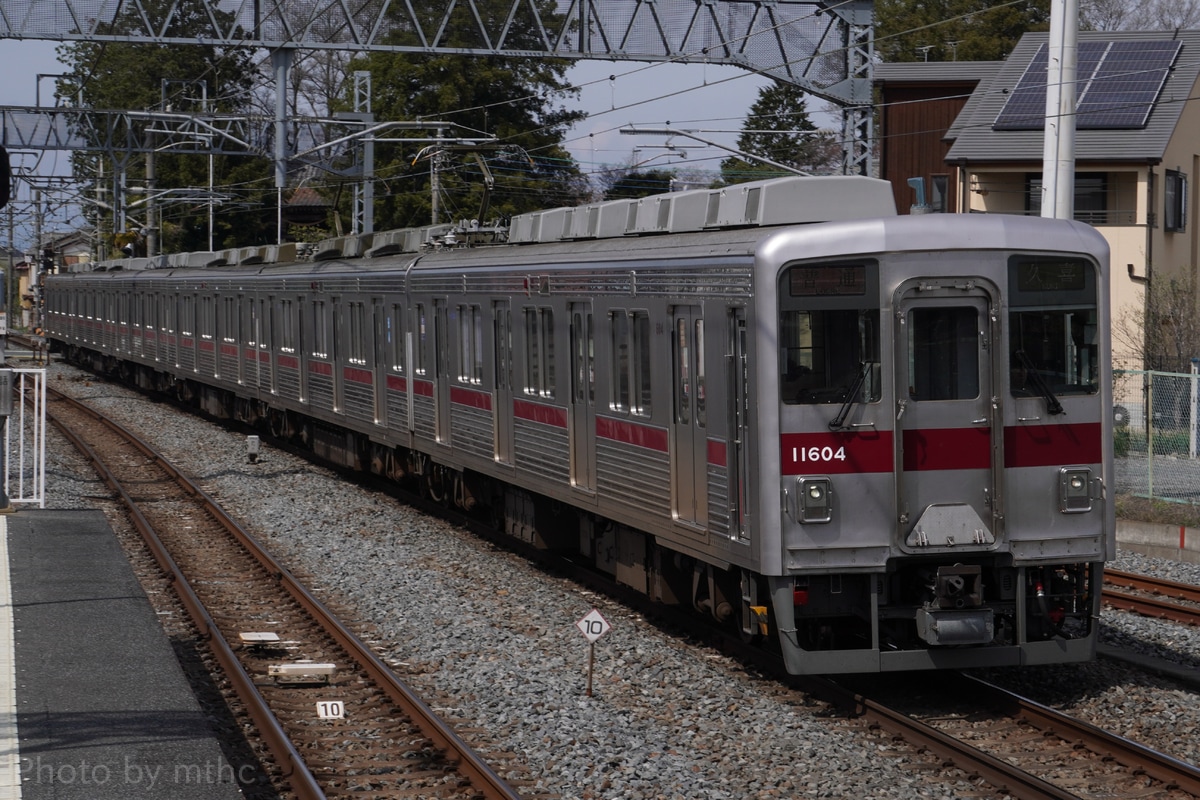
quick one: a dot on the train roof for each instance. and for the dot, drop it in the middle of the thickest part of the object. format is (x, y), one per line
(830, 217)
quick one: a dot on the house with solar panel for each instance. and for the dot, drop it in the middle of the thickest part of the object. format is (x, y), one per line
(1137, 145)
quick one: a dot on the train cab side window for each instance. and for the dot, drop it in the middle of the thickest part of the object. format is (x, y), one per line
(823, 353)
(1053, 345)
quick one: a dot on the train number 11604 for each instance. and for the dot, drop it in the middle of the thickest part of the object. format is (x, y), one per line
(818, 454)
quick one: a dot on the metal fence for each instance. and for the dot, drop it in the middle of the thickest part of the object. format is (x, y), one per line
(1157, 435)
(25, 439)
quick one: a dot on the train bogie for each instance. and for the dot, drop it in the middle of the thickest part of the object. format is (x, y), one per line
(885, 442)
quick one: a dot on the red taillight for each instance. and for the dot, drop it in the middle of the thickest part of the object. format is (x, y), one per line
(799, 597)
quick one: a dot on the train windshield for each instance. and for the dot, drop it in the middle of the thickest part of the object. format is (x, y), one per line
(1052, 327)
(829, 334)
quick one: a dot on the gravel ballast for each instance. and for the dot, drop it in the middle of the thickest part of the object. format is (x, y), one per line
(496, 640)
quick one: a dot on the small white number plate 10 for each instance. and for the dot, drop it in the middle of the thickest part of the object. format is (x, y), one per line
(331, 709)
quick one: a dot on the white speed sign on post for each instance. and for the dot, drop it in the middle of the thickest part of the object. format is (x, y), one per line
(593, 626)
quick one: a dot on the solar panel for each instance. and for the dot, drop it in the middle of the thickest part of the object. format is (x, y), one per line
(1117, 83)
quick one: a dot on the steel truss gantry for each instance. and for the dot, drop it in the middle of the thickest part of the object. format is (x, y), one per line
(822, 46)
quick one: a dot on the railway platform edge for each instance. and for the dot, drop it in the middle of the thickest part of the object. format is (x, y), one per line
(101, 706)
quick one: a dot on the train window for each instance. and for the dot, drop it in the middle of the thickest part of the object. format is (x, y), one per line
(1055, 350)
(943, 353)
(539, 352)
(206, 326)
(358, 334)
(229, 308)
(422, 365)
(1053, 332)
(187, 315)
(320, 330)
(287, 326)
(394, 331)
(701, 405)
(470, 344)
(631, 362)
(641, 363)
(619, 327)
(823, 353)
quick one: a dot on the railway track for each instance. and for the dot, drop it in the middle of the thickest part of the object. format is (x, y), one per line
(336, 720)
(1151, 597)
(1010, 750)
(1020, 747)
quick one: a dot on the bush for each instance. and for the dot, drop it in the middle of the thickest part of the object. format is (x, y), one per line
(1121, 442)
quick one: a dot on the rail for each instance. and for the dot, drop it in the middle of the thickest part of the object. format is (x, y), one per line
(485, 781)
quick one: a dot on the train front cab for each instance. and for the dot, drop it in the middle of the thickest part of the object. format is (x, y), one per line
(943, 441)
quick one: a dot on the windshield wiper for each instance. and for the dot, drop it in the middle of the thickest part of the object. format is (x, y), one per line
(837, 423)
(1052, 404)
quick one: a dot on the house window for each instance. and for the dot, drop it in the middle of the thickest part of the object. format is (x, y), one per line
(1175, 202)
(1091, 196)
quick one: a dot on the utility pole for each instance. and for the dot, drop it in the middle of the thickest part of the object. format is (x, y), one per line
(435, 185)
(1058, 143)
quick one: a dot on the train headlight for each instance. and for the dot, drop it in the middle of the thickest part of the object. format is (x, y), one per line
(814, 501)
(1075, 490)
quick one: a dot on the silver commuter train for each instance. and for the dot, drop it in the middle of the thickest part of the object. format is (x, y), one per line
(875, 442)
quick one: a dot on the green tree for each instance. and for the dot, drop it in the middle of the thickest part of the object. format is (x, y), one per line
(632, 184)
(954, 30)
(182, 79)
(517, 100)
(778, 128)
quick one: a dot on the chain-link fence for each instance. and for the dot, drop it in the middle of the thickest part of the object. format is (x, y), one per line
(1157, 435)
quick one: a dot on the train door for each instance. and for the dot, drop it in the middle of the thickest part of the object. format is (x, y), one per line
(737, 450)
(582, 413)
(689, 445)
(502, 408)
(945, 342)
(441, 372)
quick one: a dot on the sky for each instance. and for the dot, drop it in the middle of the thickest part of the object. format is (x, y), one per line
(710, 100)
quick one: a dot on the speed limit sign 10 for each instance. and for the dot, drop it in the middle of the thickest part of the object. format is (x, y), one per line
(593, 626)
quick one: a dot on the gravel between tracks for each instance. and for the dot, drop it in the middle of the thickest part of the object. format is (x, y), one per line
(496, 639)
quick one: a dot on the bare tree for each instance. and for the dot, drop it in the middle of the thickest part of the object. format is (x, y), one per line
(1165, 333)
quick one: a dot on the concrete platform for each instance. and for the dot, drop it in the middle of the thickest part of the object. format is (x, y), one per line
(102, 707)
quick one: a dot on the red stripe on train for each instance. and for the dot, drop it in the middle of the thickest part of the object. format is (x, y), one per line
(947, 448)
(536, 412)
(356, 375)
(1050, 445)
(636, 434)
(470, 397)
